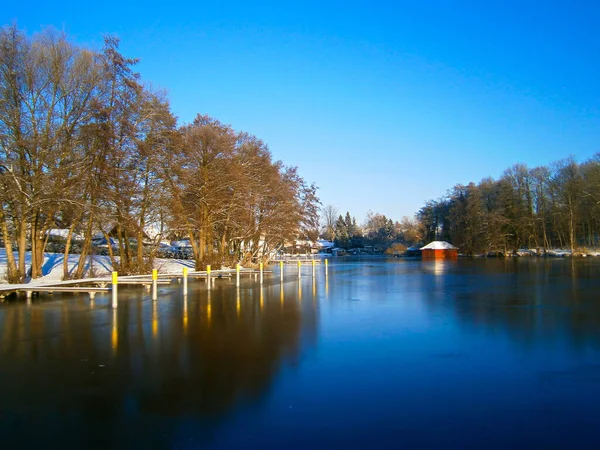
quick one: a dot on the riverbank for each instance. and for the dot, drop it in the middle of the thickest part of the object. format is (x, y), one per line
(96, 266)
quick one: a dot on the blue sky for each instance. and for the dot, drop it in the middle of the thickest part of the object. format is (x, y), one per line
(383, 105)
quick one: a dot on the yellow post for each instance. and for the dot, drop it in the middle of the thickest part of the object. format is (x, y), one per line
(185, 281)
(115, 281)
(261, 272)
(237, 274)
(313, 267)
(326, 266)
(154, 284)
(208, 275)
(281, 271)
(299, 269)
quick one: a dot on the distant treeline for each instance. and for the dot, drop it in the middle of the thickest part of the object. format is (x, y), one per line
(86, 146)
(544, 207)
(377, 231)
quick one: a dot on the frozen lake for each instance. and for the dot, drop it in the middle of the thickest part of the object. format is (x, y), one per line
(380, 354)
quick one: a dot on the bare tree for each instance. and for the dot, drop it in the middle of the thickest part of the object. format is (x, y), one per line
(330, 214)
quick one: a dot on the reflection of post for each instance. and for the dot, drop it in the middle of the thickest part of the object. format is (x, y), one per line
(114, 337)
(281, 295)
(115, 280)
(185, 314)
(208, 308)
(574, 289)
(154, 284)
(260, 266)
(261, 298)
(237, 275)
(300, 292)
(185, 280)
(238, 305)
(208, 276)
(326, 287)
(154, 319)
(281, 271)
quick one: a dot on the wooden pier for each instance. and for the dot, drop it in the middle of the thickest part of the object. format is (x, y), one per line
(92, 286)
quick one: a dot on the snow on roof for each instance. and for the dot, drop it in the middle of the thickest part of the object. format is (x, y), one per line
(182, 243)
(63, 233)
(324, 243)
(438, 245)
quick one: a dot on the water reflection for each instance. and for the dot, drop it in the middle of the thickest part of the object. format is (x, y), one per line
(213, 368)
(69, 366)
(115, 332)
(185, 314)
(528, 300)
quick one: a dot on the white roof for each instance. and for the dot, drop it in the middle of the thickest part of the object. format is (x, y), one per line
(438, 245)
(324, 243)
(63, 233)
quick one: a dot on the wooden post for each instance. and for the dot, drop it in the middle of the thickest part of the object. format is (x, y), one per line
(185, 281)
(261, 272)
(115, 282)
(237, 275)
(154, 284)
(208, 280)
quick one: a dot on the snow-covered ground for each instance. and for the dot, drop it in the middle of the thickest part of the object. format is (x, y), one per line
(96, 265)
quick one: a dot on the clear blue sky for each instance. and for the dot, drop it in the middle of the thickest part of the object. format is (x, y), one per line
(382, 105)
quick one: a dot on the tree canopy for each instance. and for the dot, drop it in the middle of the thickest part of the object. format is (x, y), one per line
(86, 146)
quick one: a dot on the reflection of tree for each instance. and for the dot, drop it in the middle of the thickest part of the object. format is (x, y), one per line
(99, 379)
(529, 300)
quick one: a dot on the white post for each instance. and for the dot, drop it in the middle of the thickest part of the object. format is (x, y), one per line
(237, 275)
(115, 282)
(208, 280)
(261, 272)
(313, 268)
(299, 269)
(326, 267)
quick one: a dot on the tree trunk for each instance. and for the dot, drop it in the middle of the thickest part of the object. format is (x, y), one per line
(13, 275)
(85, 250)
(22, 245)
(67, 249)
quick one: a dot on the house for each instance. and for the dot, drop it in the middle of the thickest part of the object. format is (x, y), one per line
(439, 250)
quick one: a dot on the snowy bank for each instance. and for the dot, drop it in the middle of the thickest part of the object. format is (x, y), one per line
(96, 265)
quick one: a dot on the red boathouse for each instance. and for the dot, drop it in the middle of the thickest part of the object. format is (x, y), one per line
(439, 250)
